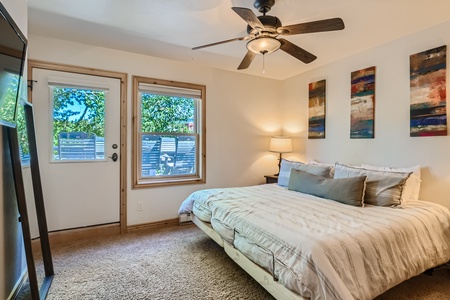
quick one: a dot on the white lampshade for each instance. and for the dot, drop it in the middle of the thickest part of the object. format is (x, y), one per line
(280, 144)
(264, 45)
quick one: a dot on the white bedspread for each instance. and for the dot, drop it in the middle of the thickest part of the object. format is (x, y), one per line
(324, 249)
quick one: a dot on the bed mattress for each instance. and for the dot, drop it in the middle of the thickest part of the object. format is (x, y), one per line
(322, 249)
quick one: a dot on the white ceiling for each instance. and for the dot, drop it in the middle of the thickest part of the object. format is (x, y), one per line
(170, 28)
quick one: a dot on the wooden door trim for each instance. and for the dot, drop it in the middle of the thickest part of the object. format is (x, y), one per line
(123, 77)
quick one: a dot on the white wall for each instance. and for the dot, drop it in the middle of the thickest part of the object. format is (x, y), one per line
(242, 112)
(392, 145)
(19, 12)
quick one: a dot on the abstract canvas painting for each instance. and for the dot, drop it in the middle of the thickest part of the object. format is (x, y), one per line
(362, 104)
(317, 100)
(428, 112)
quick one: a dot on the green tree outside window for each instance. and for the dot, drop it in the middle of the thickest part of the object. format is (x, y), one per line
(78, 110)
(166, 114)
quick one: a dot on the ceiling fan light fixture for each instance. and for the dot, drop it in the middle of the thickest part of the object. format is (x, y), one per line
(263, 45)
(263, 32)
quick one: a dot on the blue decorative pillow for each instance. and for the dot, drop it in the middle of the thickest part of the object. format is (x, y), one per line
(344, 190)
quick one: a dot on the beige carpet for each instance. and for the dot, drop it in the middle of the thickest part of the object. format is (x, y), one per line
(178, 262)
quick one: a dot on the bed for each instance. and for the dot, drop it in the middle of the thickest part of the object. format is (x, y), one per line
(301, 246)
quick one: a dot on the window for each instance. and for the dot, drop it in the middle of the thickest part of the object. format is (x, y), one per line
(78, 123)
(169, 132)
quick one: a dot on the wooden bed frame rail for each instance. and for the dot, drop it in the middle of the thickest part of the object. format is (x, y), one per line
(263, 277)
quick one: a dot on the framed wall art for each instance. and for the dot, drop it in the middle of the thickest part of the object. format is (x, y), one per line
(316, 108)
(362, 104)
(428, 99)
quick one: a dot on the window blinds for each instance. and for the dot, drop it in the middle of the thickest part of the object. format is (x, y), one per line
(77, 83)
(165, 90)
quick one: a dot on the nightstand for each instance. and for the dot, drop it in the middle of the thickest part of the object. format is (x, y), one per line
(271, 178)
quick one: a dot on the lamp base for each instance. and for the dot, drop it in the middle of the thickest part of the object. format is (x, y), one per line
(279, 166)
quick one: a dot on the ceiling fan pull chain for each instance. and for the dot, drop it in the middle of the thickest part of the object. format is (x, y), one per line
(264, 64)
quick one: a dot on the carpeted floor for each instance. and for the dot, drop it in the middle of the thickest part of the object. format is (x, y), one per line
(178, 262)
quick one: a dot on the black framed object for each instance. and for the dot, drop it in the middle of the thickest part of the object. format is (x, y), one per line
(39, 201)
(36, 292)
(13, 45)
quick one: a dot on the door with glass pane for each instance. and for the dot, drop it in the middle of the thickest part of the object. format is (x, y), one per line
(78, 134)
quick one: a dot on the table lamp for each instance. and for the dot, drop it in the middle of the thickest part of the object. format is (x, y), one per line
(280, 144)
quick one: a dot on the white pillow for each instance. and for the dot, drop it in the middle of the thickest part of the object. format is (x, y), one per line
(411, 189)
(287, 165)
(315, 162)
(285, 171)
(383, 188)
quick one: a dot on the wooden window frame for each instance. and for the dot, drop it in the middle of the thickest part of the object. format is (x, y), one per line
(137, 179)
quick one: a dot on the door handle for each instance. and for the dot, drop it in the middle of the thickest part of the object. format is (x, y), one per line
(114, 157)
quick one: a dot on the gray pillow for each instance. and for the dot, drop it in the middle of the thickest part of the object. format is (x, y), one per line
(383, 188)
(344, 190)
(287, 165)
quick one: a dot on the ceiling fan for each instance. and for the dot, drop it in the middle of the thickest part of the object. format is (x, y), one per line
(264, 31)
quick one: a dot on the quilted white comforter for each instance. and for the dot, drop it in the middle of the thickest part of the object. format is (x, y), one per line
(322, 249)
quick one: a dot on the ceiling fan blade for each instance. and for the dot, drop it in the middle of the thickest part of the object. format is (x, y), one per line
(222, 42)
(249, 16)
(315, 26)
(296, 51)
(248, 58)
